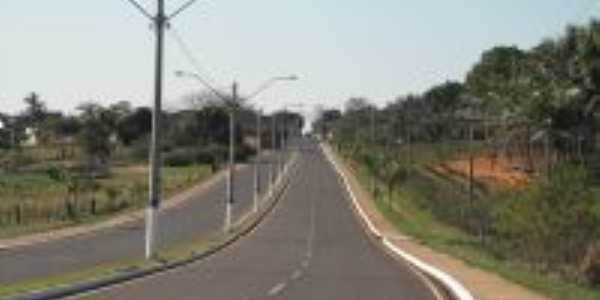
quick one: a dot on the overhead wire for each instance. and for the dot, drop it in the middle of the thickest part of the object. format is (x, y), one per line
(191, 58)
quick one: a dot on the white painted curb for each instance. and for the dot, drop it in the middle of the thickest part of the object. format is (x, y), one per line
(455, 287)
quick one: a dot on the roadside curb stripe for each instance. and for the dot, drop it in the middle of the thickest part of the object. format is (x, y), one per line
(453, 285)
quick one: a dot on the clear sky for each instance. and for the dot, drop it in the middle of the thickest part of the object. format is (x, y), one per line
(71, 51)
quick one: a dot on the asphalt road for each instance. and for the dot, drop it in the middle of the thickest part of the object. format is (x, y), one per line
(200, 217)
(310, 247)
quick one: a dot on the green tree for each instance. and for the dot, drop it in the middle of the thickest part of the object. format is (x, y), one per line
(99, 125)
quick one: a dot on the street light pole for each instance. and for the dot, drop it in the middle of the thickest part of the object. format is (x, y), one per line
(230, 188)
(231, 166)
(160, 21)
(155, 155)
(283, 141)
(273, 166)
(257, 162)
(373, 141)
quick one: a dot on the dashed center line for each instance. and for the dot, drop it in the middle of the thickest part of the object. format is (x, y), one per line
(305, 263)
(296, 275)
(277, 289)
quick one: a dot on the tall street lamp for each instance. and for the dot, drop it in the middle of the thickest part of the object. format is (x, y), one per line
(257, 160)
(285, 131)
(159, 21)
(231, 165)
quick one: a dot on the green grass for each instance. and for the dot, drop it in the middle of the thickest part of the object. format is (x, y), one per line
(415, 221)
(42, 200)
(177, 252)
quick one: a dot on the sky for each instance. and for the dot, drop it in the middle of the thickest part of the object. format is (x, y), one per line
(74, 51)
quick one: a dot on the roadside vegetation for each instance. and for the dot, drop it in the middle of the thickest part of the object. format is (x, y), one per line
(501, 170)
(58, 170)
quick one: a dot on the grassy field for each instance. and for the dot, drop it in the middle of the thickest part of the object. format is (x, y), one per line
(407, 213)
(33, 201)
(170, 253)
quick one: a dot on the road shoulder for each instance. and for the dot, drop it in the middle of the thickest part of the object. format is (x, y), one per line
(483, 285)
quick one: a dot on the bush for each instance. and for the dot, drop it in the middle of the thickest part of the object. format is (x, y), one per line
(244, 152)
(213, 154)
(210, 155)
(590, 266)
(552, 223)
(140, 149)
(179, 158)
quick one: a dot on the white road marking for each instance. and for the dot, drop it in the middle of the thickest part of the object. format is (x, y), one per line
(305, 263)
(277, 289)
(297, 274)
(446, 279)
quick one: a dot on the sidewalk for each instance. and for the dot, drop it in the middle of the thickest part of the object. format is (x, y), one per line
(483, 285)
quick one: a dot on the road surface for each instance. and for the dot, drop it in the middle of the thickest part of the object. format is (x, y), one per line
(310, 247)
(195, 219)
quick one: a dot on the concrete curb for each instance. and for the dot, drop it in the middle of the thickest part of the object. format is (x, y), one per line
(58, 293)
(449, 282)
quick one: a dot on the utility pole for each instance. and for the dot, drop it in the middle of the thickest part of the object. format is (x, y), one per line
(257, 160)
(231, 173)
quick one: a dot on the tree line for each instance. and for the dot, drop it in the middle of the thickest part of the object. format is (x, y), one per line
(198, 133)
(539, 108)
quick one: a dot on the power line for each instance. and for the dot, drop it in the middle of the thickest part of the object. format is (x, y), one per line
(181, 9)
(141, 9)
(189, 56)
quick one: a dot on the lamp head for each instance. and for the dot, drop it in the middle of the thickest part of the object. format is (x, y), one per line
(289, 78)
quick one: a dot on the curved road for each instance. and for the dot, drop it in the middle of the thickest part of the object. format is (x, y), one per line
(199, 217)
(310, 247)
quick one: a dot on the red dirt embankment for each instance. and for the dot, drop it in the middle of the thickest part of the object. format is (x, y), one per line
(491, 171)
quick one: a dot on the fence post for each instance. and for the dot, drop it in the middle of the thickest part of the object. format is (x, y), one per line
(18, 214)
(69, 210)
(93, 206)
(471, 167)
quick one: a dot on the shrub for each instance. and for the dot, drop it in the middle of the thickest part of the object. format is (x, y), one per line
(553, 222)
(590, 265)
(179, 158)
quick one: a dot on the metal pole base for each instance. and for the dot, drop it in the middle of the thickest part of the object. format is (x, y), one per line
(227, 225)
(256, 196)
(256, 186)
(151, 222)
